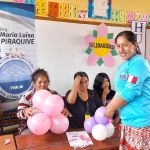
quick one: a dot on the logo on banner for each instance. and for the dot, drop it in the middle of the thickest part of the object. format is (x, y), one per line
(15, 75)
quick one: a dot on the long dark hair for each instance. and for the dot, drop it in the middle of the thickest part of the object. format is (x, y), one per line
(131, 37)
(99, 79)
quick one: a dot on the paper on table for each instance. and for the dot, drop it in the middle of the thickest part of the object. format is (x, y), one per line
(79, 139)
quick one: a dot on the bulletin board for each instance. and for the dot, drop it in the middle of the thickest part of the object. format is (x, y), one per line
(90, 11)
(61, 26)
(61, 51)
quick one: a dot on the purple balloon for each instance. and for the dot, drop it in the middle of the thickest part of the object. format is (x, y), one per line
(99, 116)
(89, 124)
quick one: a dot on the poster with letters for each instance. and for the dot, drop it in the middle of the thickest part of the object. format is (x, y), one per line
(139, 28)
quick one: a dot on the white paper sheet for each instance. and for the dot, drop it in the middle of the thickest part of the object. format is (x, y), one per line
(79, 139)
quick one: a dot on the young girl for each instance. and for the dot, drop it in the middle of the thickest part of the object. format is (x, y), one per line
(102, 87)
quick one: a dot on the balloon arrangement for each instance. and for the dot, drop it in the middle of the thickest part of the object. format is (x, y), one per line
(47, 114)
(100, 126)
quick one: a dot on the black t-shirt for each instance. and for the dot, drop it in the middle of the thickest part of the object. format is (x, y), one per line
(80, 107)
(110, 96)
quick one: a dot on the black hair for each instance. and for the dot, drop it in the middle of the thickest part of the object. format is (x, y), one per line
(131, 37)
(39, 72)
(81, 74)
(99, 79)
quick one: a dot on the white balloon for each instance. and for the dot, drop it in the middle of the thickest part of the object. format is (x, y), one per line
(99, 132)
(110, 129)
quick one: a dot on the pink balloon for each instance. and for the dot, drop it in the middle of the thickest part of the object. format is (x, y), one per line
(53, 105)
(39, 123)
(29, 122)
(59, 124)
(39, 97)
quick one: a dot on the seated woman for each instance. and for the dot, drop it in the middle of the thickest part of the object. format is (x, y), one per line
(40, 80)
(102, 87)
(81, 101)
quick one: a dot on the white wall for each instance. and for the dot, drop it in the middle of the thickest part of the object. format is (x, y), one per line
(61, 52)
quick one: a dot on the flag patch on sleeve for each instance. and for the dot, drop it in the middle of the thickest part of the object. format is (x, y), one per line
(132, 79)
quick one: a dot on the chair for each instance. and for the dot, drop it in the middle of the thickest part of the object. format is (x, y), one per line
(8, 122)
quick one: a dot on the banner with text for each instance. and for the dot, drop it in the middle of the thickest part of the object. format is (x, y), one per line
(17, 51)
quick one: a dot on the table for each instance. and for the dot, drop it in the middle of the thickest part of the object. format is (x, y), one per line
(50, 141)
(10, 146)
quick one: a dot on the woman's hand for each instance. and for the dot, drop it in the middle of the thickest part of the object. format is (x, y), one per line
(77, 81)
(109, 113)
(66, 112)
(28, 112)
(106, 91)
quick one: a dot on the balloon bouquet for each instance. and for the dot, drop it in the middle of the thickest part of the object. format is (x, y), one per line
(47, 114)
(100, 126)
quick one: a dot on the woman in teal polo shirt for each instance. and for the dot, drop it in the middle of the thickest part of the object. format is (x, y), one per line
(132, 94)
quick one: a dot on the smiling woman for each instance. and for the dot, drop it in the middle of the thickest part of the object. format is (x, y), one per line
(132, 94)
(127, 45)
(40, 81)
(81, 101)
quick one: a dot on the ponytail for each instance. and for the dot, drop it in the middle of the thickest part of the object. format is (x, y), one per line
(138, 50)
